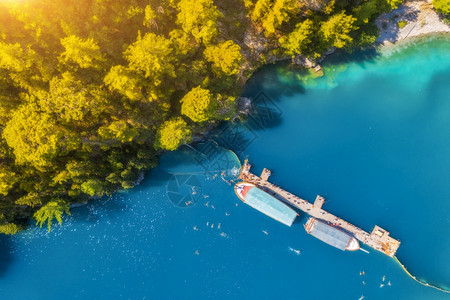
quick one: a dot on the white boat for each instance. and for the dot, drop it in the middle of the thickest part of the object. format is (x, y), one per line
(265, 203)
(331, 235)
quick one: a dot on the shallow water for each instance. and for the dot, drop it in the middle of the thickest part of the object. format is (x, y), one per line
(372, 137)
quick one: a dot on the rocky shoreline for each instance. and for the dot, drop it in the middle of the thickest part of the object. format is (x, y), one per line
(418, 18)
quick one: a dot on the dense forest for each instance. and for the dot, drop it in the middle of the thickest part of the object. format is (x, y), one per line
(92, 91)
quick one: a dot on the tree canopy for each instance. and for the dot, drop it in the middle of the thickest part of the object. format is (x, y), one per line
(336, 30)
(172, 134)
(92, 92)
(199, 105)
(226, 57)
(442, 6)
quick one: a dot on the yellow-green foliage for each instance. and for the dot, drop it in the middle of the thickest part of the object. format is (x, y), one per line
(34, 137)
(93, 187)
(84, 53)
(52, 210)
(402, 24)
(31, 199)
(297, 42)
(336, 30)
(91, 91)
(152, 57)
(273, 13)
(125, 82)
(442, 6)
(7, 180)
(69, 100)
(199, 18)
(14, 58)
(199, 105)
(119, 130)
(225, 57)
(10, 228)
(172, 134)
(366, 10)
(150, 17)
(393, 4)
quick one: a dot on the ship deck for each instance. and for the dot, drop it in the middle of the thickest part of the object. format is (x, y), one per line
(378, 239)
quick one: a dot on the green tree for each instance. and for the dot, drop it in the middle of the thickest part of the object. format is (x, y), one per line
(150, 17)
(20, 63)
(393, 4)
(199, 18)
(31, 199)
(125, 82)
(70, 100)
(225, 57)
(93, 187)
(14, 58)
(298, 41)
(84, 53)
(10, 228)
(7, 181)
(172, 133)
(52, 210)
(34, 137)
(273, 13)
(442, 6)
(199, 105)
(120, 131)
(152, 57)
(366, 11)
(336, 30)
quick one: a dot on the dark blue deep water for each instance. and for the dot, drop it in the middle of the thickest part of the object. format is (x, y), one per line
(372, 136)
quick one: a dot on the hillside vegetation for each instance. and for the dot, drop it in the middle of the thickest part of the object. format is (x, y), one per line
(93, 90)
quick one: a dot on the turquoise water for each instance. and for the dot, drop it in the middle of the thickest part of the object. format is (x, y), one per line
(372, 137)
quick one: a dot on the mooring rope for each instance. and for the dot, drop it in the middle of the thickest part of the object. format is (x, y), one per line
(445, 290)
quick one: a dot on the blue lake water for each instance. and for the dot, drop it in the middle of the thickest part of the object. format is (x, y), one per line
(372, 137)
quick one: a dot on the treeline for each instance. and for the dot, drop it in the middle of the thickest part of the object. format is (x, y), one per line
(443, 7)
(91, 91)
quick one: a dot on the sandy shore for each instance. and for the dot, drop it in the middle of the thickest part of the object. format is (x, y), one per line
(420, 17)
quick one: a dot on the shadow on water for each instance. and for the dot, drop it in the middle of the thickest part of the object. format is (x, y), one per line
(367, 55)
(275, 80)
(302, 217)
(5, 254)
(283, 79)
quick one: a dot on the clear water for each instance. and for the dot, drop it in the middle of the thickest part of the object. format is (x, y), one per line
(372, 137)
